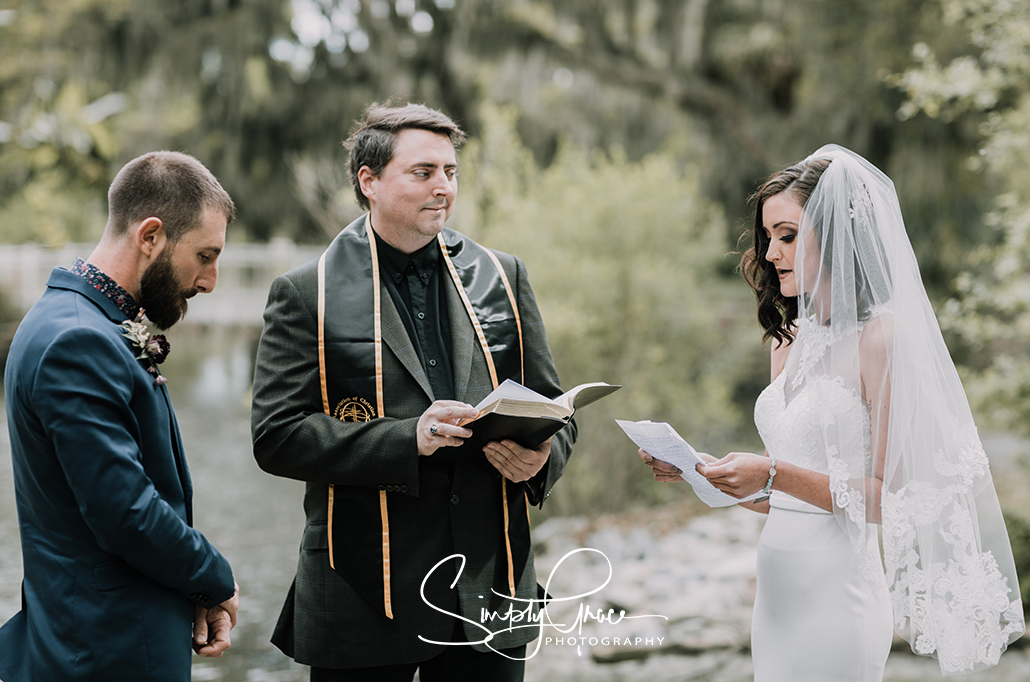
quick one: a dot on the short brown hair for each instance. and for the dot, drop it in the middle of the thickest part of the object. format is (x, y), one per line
(373, 139)
(172, 186)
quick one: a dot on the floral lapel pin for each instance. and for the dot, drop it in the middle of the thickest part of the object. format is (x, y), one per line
(153, 348)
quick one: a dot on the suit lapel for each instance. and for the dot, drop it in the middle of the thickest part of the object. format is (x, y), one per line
(396, 337)
(463, 340)
(63, 279)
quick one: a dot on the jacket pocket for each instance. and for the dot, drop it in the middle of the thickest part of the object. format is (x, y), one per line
(315, 537)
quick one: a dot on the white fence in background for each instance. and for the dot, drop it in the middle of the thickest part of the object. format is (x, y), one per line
(245, 272)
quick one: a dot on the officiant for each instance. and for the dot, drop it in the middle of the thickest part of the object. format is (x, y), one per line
(369, 357)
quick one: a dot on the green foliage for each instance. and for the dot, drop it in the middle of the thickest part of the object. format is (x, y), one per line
(56, 127)
(759, 85)
(1019, 537)
(637, 121)
(625, 259)
(989, 83)
(263, 91)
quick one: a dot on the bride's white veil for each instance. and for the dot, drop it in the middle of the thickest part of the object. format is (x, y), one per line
(865, 324)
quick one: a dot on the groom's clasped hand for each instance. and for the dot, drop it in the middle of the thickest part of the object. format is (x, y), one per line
(211, 627)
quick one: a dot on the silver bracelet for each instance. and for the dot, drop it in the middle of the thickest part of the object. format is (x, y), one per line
(766, 492)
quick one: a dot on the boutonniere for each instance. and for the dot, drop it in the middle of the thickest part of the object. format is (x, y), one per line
(153, 348)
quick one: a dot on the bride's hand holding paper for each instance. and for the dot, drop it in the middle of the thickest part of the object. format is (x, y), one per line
(676, 459)
(738, 474)
(663, 471)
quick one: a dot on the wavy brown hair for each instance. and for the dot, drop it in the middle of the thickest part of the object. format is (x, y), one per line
(776, 313)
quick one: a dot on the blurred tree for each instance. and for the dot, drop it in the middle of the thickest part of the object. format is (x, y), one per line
(56, 133)
(690, 102)
(625, 257)
(1019, 537)
(264, 90)
(760, 83)
(985, 79)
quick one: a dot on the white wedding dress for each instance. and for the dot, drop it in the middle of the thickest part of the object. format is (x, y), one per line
(826, 606)
(822, 611)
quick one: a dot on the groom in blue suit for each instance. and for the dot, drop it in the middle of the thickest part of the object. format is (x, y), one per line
(117, 581)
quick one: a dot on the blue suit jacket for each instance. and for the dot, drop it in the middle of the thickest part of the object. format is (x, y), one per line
(112, 565)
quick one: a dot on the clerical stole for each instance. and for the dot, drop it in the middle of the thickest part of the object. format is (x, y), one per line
(350, 360)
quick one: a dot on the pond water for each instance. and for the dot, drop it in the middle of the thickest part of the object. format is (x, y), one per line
(256, 520)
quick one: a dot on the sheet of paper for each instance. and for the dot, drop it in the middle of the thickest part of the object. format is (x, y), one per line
(661, 441)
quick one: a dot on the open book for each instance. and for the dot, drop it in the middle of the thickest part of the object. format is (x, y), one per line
(517, 413)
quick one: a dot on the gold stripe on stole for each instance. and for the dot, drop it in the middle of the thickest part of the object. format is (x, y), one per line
(522, 357)
(493, 373)
(469, 310)
(322, 379)
(377, 305)
(515, 308)
(321, 333)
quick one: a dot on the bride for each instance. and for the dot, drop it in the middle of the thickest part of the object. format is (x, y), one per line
(866, 426)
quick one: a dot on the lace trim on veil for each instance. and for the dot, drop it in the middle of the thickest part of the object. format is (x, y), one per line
(938, 598)
(938, 603)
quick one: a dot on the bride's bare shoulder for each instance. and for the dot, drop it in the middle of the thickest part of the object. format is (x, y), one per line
(876, 342)
(877, 333)
(779, 353)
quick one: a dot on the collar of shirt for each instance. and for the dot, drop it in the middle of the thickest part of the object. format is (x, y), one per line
(108, 287)
(396, 263)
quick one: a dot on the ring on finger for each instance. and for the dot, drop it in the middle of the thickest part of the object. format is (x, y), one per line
(432, 429)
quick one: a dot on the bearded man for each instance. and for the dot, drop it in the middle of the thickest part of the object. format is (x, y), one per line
(117, 581)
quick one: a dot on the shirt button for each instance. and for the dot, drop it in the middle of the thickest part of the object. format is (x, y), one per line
(454, 500)
(432, 363)
(421, 316)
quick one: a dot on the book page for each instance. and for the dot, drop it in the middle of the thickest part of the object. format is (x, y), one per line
(661, 441)
(512, 398)
(590, 392)
(514, 391)
(524, 408)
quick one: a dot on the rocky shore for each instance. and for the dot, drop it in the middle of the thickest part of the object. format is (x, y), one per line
(686, 585)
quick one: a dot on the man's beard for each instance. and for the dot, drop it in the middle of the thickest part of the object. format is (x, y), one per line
(160, 294)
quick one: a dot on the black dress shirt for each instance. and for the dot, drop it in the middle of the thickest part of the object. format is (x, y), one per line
(418, 286)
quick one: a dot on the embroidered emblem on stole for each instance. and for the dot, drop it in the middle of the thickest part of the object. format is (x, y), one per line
(355, 409)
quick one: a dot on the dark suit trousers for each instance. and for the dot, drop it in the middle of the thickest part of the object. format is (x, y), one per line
(454, 664)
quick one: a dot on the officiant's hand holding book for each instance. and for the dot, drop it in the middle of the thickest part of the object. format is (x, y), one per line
(514, 412)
